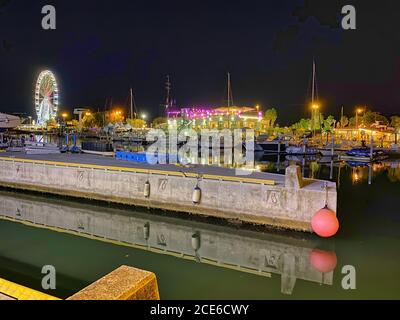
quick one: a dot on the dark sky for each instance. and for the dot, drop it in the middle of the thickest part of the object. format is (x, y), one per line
(101, 48)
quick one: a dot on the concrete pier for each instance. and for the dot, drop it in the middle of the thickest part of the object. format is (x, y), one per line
(263, 198)
(124, 283)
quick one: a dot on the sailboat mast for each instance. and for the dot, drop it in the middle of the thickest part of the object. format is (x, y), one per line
(229, 89)
(313, 84)
(168, 98)
(341, 118)
(131, 103)
(230, 95)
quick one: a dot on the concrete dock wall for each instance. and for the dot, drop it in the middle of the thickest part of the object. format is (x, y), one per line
(288, 203)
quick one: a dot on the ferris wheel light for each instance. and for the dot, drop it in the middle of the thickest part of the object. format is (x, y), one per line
(46, 97)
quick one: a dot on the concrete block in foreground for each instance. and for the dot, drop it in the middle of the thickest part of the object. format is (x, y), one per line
(124, 283)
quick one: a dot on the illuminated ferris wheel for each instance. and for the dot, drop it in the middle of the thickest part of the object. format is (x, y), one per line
(46, 97)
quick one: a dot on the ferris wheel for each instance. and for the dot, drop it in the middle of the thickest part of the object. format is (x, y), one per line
(46, 97)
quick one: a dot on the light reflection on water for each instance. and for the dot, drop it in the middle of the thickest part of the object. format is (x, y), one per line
(321, 168)
(226, 261)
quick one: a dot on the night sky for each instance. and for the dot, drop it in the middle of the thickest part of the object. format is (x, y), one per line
(101, 48)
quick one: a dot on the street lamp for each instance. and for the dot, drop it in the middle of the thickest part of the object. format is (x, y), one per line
(358, 111)
(143, 116)
(64, 116)
(315, 108)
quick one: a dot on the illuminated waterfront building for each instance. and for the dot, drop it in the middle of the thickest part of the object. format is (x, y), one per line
(200, 117)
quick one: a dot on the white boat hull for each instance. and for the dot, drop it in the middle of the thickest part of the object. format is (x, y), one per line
(8, 121)
(41, 150)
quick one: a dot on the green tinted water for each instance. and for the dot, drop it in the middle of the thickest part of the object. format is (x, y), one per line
(369, 240)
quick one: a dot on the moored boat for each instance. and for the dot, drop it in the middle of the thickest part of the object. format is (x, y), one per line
(271, 146)
(364, 154)
(302, 150)
(41, 148)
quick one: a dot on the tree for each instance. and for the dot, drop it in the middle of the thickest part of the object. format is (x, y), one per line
(344, 122)
(157, 122)
(329, 124)
(137, 123)
(302, 125)
(316, 121)
(74, 123)
(88, 121)
(395, 122)
(270, 116)
(371, 117)
(98, 119)
(352, 122)
(51, 123)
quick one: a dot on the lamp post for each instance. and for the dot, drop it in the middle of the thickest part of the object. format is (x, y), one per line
(117, 115)
(144, 116)
(64, 116)
(315, 108)
(358, 111)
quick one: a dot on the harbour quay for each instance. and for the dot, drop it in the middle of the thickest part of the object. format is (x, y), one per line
(294, 257)
(283, 201)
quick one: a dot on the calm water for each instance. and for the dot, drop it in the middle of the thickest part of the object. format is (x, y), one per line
(208, 258)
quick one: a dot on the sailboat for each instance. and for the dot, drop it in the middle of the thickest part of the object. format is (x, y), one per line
(303, 149)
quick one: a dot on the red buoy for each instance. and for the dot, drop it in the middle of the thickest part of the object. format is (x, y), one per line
(325, 223)
(323, 261)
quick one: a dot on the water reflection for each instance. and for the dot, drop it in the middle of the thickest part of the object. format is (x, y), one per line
(247, 251)
(368, 239)
(314, 168)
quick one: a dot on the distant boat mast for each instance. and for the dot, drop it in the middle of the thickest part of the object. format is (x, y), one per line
(230, 94)
(168, 97)
(314, 100)
(314, 89)
(133, 105)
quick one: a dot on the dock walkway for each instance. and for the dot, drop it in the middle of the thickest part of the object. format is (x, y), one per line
(101, 162)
